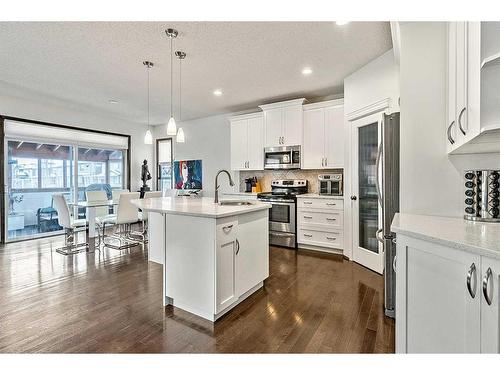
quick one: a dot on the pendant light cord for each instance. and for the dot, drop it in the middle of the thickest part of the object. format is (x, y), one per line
(148, 94)
(180, 90)
(171, 77)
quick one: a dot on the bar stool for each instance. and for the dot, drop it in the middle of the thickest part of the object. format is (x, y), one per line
(70, 225)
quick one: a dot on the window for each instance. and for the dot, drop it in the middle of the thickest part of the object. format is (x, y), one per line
(164, 163)
(24, 172)
(52, 173)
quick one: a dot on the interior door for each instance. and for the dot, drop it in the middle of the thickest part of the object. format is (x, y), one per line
(366, 209)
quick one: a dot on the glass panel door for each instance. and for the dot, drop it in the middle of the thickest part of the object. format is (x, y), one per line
(366, 210)
(164, 163)
(367, 177)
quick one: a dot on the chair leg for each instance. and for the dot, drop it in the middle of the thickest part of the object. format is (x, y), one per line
(71, 245)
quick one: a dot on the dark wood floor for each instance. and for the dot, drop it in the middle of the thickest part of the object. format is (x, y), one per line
(111, 302)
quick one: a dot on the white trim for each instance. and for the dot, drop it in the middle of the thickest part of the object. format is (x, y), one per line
(247, 116)
(287, 103)
(370, 109)
(396, 40)
(327, 103)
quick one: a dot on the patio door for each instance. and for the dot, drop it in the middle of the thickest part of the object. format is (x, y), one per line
(366, 209)
(164, 157)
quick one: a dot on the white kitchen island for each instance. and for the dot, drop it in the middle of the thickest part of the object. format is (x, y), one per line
(213, 256)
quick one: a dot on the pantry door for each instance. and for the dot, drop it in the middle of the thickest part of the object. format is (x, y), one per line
(366, 208)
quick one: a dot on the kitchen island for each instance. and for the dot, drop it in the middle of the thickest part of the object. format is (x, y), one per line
(214, 256)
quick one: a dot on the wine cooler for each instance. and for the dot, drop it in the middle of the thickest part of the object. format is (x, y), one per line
(482, 195)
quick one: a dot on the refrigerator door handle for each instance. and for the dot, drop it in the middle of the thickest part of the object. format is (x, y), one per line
(377, 168)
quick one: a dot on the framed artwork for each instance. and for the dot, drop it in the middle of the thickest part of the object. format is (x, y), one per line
(188, 174)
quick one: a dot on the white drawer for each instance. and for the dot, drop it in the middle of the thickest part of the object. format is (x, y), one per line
(227, 230)
(330, 219)
(334, 239)
(321, 203)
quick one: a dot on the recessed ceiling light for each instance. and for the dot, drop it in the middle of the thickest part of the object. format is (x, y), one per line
(217, 92)
(112, 101)
(341, 23)
(307, 71)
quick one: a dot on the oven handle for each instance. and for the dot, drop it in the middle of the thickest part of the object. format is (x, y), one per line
(281, 202)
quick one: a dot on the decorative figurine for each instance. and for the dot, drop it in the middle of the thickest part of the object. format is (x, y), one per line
(145, 176)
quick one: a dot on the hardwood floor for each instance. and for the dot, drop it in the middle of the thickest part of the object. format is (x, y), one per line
(110, 302)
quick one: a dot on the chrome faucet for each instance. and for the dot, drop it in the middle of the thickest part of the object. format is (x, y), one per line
(231, 182)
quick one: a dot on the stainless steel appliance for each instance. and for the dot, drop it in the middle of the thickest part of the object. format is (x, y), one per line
(330, 184)
(283, 213)
(482, 195)
(285, 157)
(387, 184)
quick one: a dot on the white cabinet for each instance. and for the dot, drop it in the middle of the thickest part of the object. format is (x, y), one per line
(247, 142)
(473, 77)
(225, 291)
(320, 223)
(323, 140)
(447, 300)
(283, 123)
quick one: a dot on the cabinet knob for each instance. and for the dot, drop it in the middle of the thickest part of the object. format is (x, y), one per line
(353, 197)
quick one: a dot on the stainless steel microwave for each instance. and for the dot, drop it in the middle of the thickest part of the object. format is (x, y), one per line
(284, 157)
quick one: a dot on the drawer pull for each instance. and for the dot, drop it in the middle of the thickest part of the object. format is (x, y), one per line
(330, 219)
(331, 238)
(227, 228)
(331, 204)
(308, 217)
(308, 202)
(307, 235)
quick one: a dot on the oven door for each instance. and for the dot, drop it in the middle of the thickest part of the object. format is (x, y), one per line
(282, 217)
(336, 188)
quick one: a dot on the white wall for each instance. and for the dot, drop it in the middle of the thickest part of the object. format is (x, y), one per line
(373, 82)
(431, 181)
(207, 139)
(36, 107)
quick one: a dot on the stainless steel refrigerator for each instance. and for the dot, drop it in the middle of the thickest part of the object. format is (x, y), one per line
(388, 194)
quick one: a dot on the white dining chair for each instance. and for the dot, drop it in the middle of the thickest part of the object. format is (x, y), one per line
(70, 226)
(126, 215)
(117, 192)
(101, 213)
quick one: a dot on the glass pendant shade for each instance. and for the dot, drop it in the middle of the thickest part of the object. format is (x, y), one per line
(148, 138)
(180, 136)
(171, 127)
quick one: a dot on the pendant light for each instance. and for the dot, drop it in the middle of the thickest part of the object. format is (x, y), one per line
(180, 133)
(171, 126)
(148, 138)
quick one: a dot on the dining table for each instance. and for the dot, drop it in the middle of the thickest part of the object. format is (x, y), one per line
(90, 209)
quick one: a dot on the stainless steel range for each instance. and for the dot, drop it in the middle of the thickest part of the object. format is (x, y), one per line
(283, 213)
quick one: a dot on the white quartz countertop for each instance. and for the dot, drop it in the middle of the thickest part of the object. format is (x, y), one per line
(472, 236)
(204, 207)
(316, 195)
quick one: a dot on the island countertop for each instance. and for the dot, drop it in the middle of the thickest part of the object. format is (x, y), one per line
(475, 237)
(202, 207)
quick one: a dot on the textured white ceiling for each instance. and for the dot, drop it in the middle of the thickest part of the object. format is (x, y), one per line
(89, 63)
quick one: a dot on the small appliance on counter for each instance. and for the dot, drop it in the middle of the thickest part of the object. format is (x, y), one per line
(482, 195)
(249, 183)
(330, 184)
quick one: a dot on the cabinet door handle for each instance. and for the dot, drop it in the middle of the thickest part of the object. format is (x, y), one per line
(237, 246)
(227, 228)
(394, 264)
(448, 133)
(486, 282)
(460, 120)
(307, 235)
(472, 271)
(308, 217)
(322, 162)
(326, 162)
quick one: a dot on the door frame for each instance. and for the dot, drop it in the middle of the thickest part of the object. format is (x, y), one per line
(369, 259)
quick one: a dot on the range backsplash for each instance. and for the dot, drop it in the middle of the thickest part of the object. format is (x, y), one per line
(265, 177)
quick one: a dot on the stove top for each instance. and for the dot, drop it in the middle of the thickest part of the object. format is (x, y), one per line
(285, 189)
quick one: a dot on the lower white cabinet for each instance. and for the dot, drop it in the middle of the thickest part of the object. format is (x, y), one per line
(446, 299)
(320, 222)
(241, 263)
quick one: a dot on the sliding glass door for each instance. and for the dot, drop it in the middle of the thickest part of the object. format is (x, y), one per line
(36, 171)
(164, 164)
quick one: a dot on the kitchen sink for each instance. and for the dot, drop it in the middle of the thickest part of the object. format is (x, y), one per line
(235, 203)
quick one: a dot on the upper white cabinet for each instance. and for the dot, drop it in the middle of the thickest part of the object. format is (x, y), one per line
(323, 139)
(473, 78)
(283, 123)
(247, 142)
